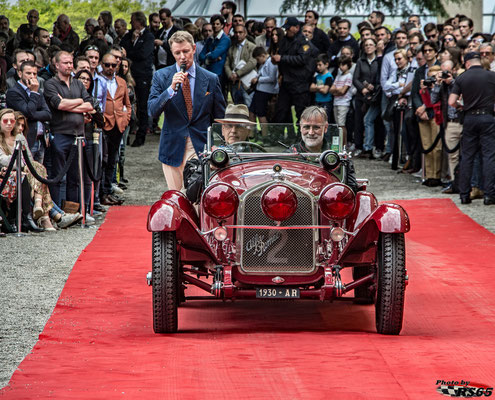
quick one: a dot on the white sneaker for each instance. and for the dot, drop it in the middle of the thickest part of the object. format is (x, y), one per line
(89, 220)
(419, 174)
(117, 190)
(69, 220)
(377, 153)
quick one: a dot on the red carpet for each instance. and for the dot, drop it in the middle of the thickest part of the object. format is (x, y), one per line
(99, 344)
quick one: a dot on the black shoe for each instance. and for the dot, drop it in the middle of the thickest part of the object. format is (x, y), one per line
(138, 142)
(28, 224)
(124, 180)
(100, 208)
(122, 185)
(431, 182)
(489, 200)
(449, 189)
(465, 200)
(385, 157)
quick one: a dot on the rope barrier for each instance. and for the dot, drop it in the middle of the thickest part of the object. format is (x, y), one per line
(441, 135)
(61, 174)
(90, 171)
(9, 170)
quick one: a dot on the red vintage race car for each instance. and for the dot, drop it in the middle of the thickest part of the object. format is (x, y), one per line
(275, 223)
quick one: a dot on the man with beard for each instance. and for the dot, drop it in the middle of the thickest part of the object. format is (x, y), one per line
(68, 101)
(21, 56)
(42, 38)
(227, 11)
(23, 40)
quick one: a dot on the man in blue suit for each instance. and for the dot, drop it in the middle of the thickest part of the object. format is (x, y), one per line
(191, 100)
(24, 96)
(216, 47)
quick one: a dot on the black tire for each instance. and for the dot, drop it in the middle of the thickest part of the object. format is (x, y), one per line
(165, 282)
(389, 307)
(362, 293)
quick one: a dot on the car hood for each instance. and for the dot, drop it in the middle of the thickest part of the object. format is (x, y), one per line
(244, 176)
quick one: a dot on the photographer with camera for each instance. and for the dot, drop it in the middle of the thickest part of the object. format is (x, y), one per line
(428, 129)
(452, 123)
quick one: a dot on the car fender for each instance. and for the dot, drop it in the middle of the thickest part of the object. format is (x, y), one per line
(174, 212)
(361, 246)
(168, 213)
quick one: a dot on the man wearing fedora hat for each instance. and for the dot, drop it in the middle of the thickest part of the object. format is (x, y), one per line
(236, 126)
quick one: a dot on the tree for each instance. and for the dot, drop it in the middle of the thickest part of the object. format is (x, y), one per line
(77, 10)
(403, 7)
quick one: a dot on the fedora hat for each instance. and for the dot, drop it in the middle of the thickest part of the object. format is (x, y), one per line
(236, 113)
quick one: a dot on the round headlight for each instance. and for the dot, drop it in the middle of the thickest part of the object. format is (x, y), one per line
(219, 158)
(279, 202)
(337, 201)
(330, 160)
(220, 201)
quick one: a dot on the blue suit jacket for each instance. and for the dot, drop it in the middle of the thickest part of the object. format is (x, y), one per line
(33, 107)
(214, 53)
(208, 104)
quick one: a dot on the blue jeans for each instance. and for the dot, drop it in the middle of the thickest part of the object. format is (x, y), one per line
(61, 146)
(240, 96)
(369, 126)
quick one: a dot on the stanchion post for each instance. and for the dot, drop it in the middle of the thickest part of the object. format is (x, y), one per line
(19, 188)
(79, 141)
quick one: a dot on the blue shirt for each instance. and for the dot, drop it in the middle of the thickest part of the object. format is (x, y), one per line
(192, 81)
(321, 80)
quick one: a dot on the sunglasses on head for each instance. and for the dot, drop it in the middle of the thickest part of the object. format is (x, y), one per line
(108, 65)
(8, 120)
(93, 48)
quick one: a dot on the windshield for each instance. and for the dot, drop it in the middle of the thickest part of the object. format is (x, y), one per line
(274, 138)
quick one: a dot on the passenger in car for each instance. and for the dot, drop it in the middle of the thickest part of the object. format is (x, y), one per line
(236, 127)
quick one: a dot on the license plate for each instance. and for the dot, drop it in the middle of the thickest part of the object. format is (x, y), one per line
(277, 293)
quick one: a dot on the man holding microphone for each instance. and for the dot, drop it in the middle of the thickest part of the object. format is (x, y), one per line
(191, 99)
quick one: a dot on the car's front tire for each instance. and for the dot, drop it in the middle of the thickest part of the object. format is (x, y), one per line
(165, 282)
(389, 306)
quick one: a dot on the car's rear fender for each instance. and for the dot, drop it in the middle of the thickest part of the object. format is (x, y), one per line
(386, 218)
(174, 212)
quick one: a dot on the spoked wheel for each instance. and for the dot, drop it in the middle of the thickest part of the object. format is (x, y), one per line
(166, 282)
(363, 293)
(389, 307)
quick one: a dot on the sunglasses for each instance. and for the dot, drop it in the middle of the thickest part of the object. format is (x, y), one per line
(449, 39)
(8, 121)
(93, 48)
(485, 53)
(431, 36)
(108, 65)
(428, 51)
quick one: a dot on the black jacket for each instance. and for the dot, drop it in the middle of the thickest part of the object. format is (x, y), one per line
(297, 64)
(165, 45)
(366, 72)
(33, 107)
(321, 40)
(336, 46)
(141, 54)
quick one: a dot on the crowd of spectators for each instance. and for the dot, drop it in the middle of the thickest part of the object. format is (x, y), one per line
(386, 88)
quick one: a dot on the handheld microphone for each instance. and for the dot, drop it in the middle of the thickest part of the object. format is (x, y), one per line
(183, 68)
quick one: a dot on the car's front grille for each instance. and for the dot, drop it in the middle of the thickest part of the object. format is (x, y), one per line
(283, 251)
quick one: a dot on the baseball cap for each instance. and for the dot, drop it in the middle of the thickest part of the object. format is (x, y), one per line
(291, 21)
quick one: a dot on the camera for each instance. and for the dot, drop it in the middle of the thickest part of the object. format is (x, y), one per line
(430, 81)
(400, 106)
(445, 75)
